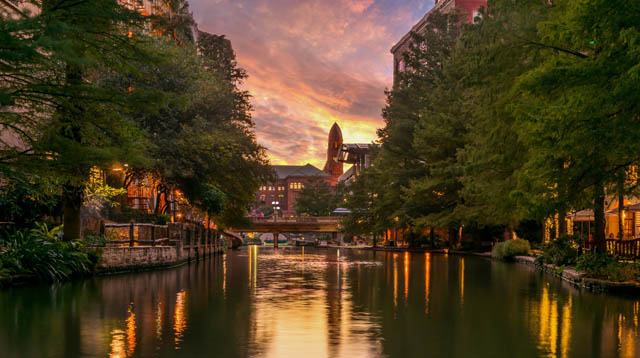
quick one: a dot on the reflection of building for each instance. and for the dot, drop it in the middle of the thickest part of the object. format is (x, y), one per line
(468, 10)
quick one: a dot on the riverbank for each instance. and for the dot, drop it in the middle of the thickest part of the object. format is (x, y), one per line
(569, 274)
(580, 279)
(119, 260)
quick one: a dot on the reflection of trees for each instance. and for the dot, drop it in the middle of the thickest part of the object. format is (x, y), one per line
(209, 307)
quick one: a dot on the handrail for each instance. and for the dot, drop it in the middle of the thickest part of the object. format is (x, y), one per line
(626, 249)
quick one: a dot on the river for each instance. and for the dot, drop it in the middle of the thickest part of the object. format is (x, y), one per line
(295, 302)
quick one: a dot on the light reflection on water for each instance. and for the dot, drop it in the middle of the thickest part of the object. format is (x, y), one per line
(290, 302)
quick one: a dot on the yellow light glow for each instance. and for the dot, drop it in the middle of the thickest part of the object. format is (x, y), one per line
(406, 278)
(427, 278)
(395, 280)
(180, 318)
(461, 273)
(117, 344)
(131, 331)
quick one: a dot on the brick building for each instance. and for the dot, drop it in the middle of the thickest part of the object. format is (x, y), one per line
(468, 9)
(292, 178)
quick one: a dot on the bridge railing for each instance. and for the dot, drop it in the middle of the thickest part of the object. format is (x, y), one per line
(297, 220)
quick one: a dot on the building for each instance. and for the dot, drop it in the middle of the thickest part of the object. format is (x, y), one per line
(468, 9)
(292, 178)
(356, 154)
(333, 167)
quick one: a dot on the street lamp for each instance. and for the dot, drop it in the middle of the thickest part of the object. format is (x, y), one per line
(276, 207)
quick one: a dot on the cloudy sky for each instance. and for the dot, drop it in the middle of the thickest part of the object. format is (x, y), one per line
(312, 63)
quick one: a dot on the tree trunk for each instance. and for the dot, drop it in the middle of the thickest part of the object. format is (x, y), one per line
(509, 232)
(598, 213)
(432, 237)
(72, 202)
(374, 240)
(453, 235)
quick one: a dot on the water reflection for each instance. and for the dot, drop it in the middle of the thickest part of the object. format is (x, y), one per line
(461, 280)
(406, 278)
(180, 318)
(427, 278)
(258, 302)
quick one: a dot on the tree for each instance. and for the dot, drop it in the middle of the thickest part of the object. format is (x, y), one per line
(318, 198)
(203, 137)
(492, 54)
(363, 198)
(579, 107)
(407, 159)
(68, 116)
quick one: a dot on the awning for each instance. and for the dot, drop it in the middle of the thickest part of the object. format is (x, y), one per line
(582, 215)
(628, 208)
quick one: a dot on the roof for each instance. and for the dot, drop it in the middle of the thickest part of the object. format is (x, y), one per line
(285, 171)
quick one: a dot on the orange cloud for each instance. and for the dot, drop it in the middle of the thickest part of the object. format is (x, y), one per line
(312, 63)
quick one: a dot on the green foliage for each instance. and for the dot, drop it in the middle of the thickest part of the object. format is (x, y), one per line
(606, 267)
(202, 138)
(318, 198)
(97, 194)
(213, 200)
(95, 240)
(416, 163)
(128, 214)
(507, 250)
(27, 199)
(561, 251)
(41, 253)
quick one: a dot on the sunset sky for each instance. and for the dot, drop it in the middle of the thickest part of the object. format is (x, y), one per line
(312, 63)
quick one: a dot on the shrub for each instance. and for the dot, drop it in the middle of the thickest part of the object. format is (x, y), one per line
(127, 214)
(606, 267)
(507, 250)
(39, 252)
(95, 240)
(561, 251)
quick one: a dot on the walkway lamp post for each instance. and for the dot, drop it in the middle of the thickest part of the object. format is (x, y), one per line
(276, 208)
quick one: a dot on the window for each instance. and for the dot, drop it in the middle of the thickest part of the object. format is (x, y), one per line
(281, 188)
(296, 185)
(271, 188)
(263, 198)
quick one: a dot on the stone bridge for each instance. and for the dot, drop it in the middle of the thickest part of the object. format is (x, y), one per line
(275, 225)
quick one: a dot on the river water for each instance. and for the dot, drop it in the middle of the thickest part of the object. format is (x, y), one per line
(295, 302)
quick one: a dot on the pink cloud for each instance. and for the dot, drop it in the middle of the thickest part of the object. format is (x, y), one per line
(312, 63)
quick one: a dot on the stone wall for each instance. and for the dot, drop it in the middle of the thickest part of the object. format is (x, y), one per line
(138, 257)
(181, 242)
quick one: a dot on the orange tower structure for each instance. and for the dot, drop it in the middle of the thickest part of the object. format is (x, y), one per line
(332, 166)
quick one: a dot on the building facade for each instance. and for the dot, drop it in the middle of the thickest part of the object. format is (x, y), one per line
(292, 178)
(333, 167)
(468, 10)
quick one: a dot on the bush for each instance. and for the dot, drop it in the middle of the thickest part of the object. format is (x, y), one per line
(127, 214)
(95, 240)
(507, 250)
(606, 267)
(561, 251)
(39, 252)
